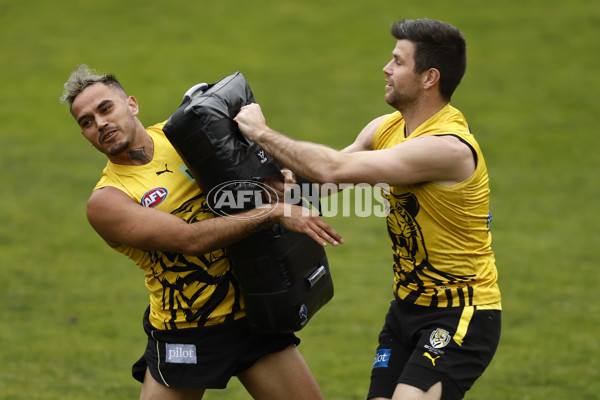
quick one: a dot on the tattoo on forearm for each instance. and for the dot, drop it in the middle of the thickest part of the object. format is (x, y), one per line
(139, 154)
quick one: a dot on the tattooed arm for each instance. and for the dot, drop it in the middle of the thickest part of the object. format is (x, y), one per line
(120, 220)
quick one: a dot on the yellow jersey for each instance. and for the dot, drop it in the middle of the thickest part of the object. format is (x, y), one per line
(440, 235)
(185, 290)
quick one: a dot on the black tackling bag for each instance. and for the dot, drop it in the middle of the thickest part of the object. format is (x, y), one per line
(284, 275)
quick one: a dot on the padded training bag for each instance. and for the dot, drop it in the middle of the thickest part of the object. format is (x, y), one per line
(284, 275)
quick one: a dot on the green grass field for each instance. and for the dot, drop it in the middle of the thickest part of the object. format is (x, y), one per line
(70, 308)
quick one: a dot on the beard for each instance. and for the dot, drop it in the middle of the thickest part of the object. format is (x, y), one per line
(124, 139)
(399, 100)
(403, 92)
(119, 148)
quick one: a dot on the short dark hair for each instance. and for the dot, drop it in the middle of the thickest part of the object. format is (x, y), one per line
(438, 45)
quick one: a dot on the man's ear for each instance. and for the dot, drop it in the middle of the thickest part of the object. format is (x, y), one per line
(430, 78)
(133, 105)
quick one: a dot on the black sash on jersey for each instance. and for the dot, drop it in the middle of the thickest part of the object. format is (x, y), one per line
(284, 275)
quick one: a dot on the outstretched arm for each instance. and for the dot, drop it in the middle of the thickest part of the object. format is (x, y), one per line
(441, 159)
(120, 220)
(312, 161)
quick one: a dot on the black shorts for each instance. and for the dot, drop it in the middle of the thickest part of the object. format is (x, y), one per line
(205, 357)
(421, 346)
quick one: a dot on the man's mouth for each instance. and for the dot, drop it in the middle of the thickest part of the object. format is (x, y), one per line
(108, 136)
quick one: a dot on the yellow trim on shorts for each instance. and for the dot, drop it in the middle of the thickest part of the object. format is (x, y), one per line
(465, 319)
(463, 324)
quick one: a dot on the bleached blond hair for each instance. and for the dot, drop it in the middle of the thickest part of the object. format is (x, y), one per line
(83, 77)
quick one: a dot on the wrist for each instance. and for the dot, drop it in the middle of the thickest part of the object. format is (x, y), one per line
(257, 135)
(275, 213)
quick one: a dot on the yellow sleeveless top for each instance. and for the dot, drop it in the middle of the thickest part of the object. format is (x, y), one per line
(185, 291)
(440, 234)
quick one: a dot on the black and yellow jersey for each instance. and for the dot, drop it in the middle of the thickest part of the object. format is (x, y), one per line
(440, 234)
(185, 291)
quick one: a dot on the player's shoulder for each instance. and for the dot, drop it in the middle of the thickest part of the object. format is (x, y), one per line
(376, 122)
(107, 196)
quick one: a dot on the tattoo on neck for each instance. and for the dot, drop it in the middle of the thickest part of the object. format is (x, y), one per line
(139, 154)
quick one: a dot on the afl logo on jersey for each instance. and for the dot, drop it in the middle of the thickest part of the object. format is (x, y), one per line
(154, 197)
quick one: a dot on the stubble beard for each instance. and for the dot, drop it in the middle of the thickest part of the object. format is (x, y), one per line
(396, 100)
(400, 101)
(124, 145)
(119, 148)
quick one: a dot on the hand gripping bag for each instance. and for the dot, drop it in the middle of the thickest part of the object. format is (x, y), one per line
(284, 275)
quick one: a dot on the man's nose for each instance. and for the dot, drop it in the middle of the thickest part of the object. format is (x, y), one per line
(101, 123)
(386, 68)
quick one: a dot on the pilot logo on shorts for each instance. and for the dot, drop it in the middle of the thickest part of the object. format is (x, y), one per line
(154, 197)
(439, 338)
(180, 353)
(382, 358)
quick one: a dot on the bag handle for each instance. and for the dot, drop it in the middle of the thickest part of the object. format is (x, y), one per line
(200, 87)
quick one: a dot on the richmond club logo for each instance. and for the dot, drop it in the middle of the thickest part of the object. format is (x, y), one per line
(439, 338)
(154, 197)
